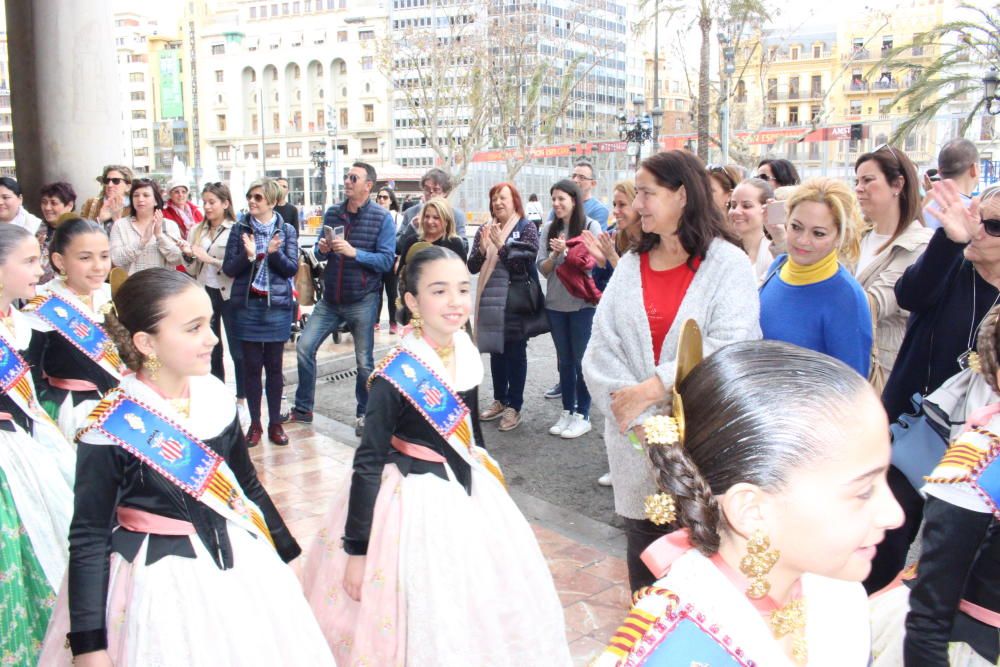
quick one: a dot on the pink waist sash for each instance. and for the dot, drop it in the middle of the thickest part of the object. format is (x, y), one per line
(67, 384)
(416, 451)
(6, 417)
(982, 614)
(140, 521)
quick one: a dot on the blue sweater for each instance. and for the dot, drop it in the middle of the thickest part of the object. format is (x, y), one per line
(830, 316)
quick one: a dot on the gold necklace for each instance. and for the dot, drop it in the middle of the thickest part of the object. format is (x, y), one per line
(791, 620)
(182, 405)
(445, 353)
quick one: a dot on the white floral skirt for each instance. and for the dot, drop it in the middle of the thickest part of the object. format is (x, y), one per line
(187, 611)
(451, 580)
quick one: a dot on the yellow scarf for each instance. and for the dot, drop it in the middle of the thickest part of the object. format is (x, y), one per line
(796, 274)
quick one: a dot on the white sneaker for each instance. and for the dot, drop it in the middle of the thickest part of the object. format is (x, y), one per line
(564, 421)
(577, 427)
(605, 479)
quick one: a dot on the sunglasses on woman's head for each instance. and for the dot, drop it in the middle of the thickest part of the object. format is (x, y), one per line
(991, 226)
(719, 169)
(115, 180)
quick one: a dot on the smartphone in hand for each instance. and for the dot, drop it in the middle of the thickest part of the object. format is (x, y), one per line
(338, 231)
(328, 233)
(776, 213)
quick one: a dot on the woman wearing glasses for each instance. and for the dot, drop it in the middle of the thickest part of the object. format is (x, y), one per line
(144, 239)
(724, 181)
(262, 256)
(948, 291)
(386, 198)
(888, 192)
(777, 172)
(112, 202)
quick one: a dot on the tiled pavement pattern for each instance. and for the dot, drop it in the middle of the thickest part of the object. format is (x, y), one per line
(305, 477)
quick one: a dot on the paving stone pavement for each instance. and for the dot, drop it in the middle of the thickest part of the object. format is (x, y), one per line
(307, 476)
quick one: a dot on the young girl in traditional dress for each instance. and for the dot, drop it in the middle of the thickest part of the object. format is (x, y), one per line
(79, 361)
(36, 496)
(429, 562)
(776, 471)
(195, 575)
(951, 598)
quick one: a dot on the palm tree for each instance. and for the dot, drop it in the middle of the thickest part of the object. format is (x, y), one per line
(963, 45)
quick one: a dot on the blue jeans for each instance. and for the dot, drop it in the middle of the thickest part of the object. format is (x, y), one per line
(571, 333)
(360, 317)
(510, 370)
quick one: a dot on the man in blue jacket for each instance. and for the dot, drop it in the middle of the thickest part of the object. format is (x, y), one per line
(363, 247)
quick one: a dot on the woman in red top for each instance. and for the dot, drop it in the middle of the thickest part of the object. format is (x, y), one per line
(686, 266)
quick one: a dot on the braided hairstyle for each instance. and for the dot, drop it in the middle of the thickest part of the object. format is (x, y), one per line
(139, 305)
(419, 255)
(988, 347)
(754, 412)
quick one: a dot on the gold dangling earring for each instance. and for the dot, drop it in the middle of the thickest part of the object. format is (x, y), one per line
(757, 563)
(418, 324)
(152, 366)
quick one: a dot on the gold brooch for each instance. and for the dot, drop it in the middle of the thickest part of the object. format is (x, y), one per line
(661, 430)
(660, 508)
(791, 620)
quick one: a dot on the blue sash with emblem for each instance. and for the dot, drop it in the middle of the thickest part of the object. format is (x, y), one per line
(180, 457)
(440, 406)
(83, 333)
(986, 480)
(688, 643)
(15, 382)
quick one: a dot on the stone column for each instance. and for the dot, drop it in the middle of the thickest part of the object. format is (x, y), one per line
(64, 94)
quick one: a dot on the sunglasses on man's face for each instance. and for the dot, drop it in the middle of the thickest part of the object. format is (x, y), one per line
(353, 178)
(991, 226)
(115, 180)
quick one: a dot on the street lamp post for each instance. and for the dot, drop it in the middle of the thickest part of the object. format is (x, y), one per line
(729, 67)
(320, 163)
(637, 131)
(990, 82)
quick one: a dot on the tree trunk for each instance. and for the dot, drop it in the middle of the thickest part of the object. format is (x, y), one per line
(705, 23)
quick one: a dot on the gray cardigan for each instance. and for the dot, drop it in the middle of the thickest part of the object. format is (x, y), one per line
(722, 299)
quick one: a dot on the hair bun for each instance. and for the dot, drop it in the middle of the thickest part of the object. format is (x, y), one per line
(419, 246)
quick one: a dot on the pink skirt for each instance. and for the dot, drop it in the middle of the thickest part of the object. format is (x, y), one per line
(451, 579)
(346, 623)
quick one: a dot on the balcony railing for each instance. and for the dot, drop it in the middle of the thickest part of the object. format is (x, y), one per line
(856, 87)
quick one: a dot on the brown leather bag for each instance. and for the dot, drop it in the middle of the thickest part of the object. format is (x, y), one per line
(304, 284)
